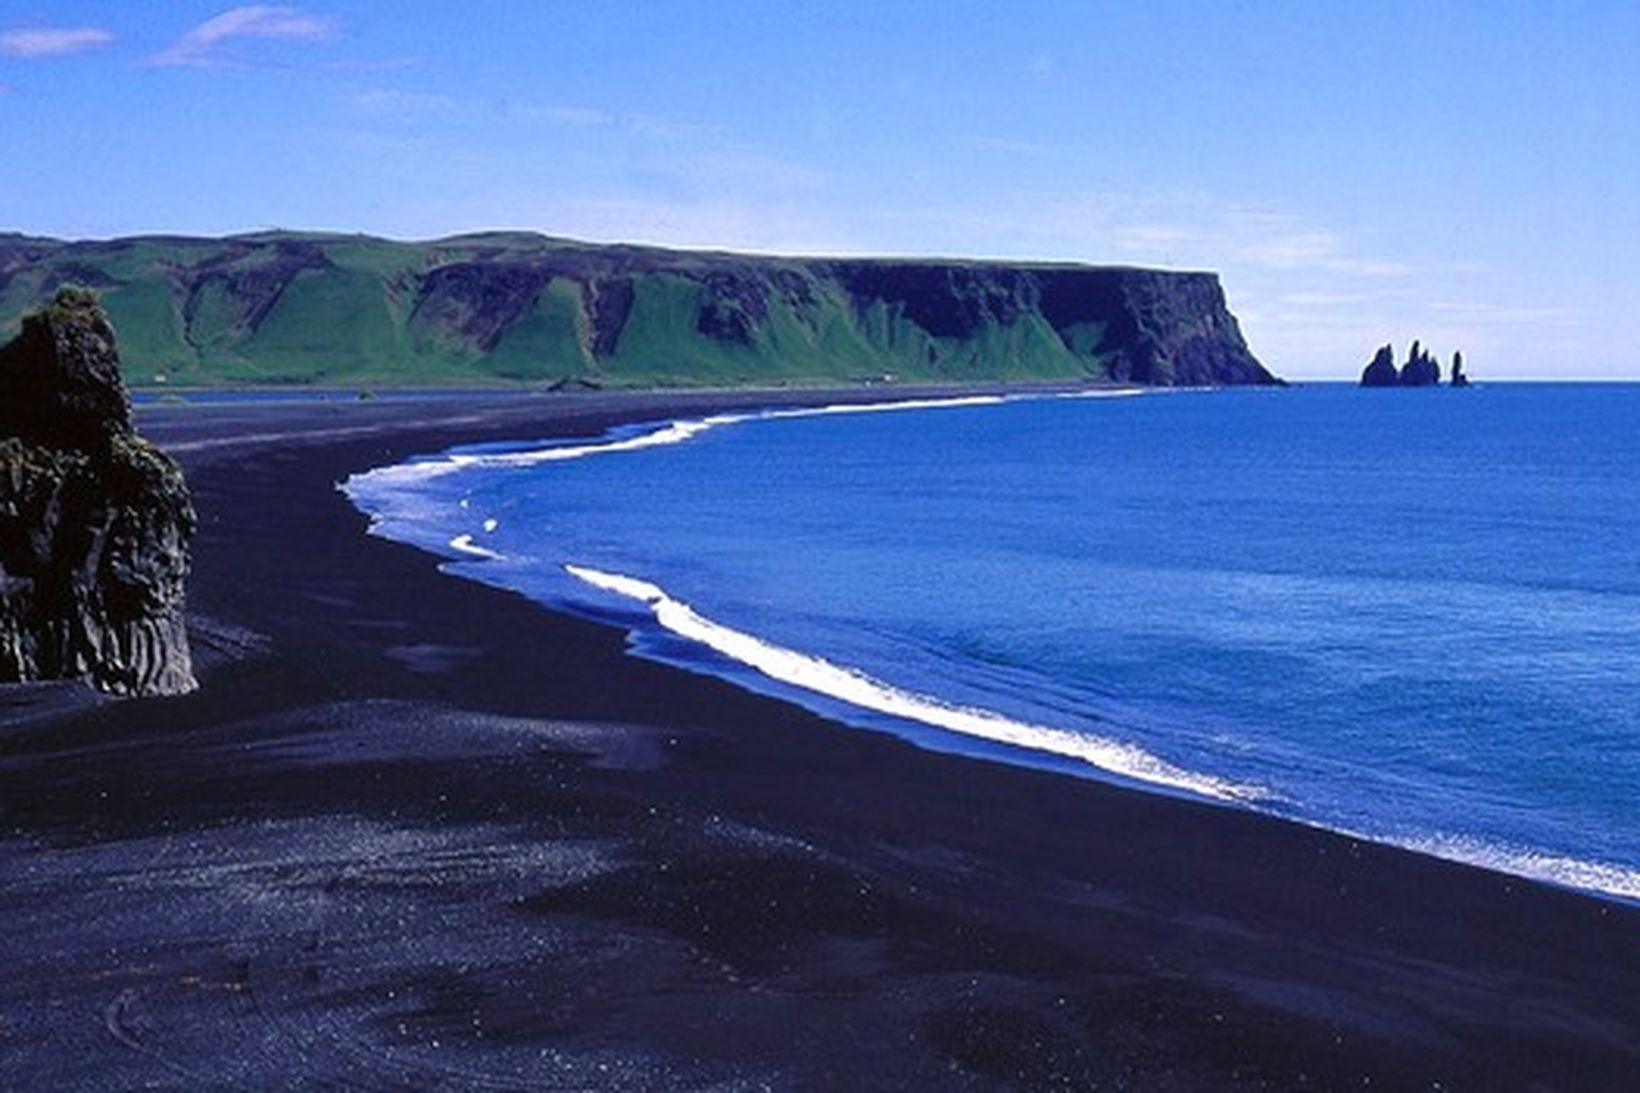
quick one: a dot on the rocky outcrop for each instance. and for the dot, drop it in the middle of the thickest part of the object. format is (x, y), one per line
(94, 520)
(1381, 370)
(1420, 370)
(292, 307)
(1185, 334)
(1459, 379)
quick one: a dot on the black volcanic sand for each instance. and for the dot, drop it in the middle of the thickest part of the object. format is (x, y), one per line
(417, 832)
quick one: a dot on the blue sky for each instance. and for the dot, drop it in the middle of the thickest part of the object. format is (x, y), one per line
(1464, 173)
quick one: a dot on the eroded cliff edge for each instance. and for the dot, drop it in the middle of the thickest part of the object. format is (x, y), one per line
(287, 307)
(94, 520)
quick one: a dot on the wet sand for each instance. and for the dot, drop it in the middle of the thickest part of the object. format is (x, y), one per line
(417, 832)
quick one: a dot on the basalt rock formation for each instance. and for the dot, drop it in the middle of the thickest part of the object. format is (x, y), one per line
(94, 520)
(1459, 378)
(1381, 370)
(287, 307)
(1420, 370)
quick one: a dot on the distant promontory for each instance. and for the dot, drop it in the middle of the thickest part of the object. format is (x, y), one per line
(307, 308)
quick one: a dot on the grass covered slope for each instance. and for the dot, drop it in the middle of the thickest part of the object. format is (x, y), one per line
(301, 308)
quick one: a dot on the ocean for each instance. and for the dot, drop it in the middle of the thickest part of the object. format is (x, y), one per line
(1412, 616)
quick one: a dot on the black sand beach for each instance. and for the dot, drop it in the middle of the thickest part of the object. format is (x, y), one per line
(417, 832)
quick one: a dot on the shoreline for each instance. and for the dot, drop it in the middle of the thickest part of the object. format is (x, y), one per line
(926, 720)
(685, 872)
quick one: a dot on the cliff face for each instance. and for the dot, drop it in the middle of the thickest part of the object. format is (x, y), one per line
(94, 520)
(285, 307)
(1124, 325)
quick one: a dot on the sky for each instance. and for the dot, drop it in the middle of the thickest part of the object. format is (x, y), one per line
(1358, 172)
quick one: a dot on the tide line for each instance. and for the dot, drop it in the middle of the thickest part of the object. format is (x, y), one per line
(677, 432)
(848, 685)
(855, 688)
(1568, 872)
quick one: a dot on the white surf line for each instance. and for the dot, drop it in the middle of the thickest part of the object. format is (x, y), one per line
(855, 688)
(877, 407)
(1119, 392)
(858, 689)
(1587, 875)
(678, 431)
(465, 544)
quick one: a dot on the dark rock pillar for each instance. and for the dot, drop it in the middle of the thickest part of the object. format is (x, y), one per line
(94, 520)
(1381, 370)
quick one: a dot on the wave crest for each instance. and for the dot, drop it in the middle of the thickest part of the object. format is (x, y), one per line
(821, 676)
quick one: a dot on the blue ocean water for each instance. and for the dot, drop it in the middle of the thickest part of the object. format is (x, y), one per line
(1408, 615)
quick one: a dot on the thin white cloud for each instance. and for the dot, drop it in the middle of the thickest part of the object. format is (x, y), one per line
(588, 117)
(373, 64)
(401, 103)
(1332, 300)
(366, 142)
(749, 173)
(30, 42)
(203, 46)
(1216, 236)
(1485, 313)
(577, 117)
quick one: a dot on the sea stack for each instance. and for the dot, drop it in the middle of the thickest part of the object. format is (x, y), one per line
(1381, 370)
(94, 520)
(1459, 379)
(1420, 370)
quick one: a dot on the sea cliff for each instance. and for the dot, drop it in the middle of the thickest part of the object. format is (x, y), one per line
(284, 307)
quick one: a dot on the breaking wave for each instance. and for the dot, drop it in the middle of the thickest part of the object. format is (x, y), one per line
(1568, 872)
(847, 685)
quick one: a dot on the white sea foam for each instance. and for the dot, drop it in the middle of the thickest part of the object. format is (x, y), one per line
(880, 407)
(465, 544)
(855, 688)
(405, 473)
(1592, 876)
(676, 432)
(1106, 392)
